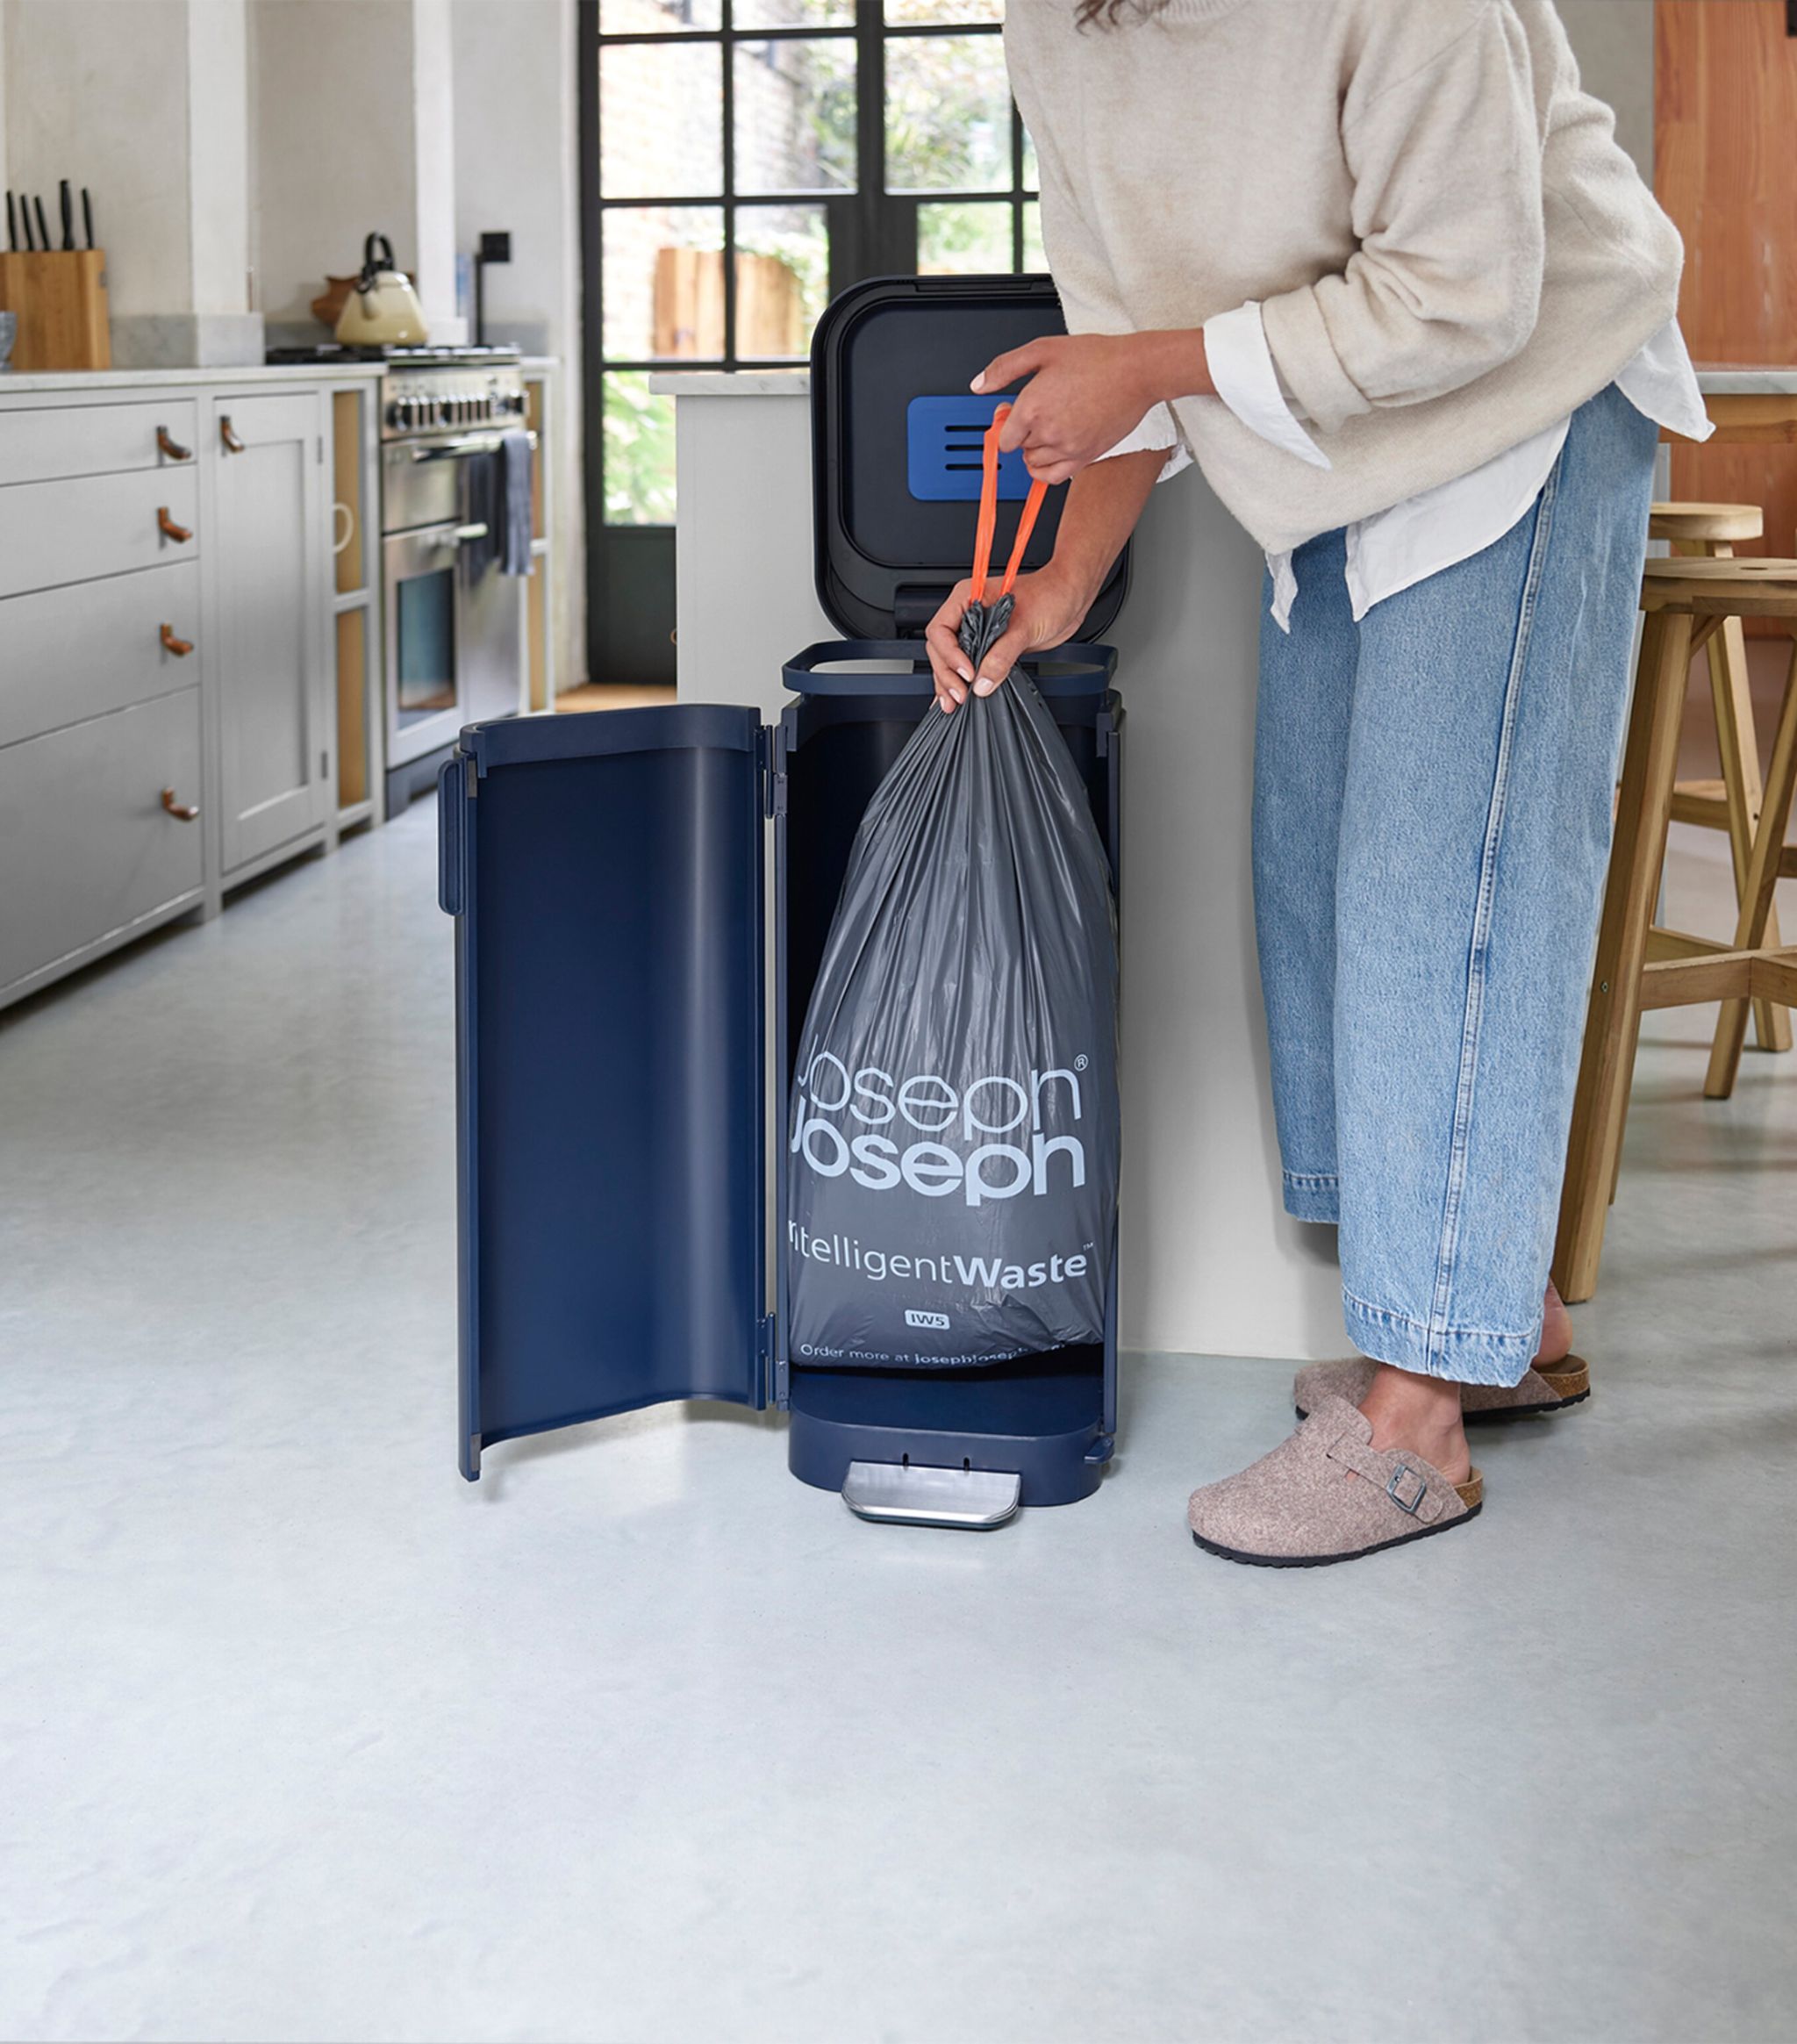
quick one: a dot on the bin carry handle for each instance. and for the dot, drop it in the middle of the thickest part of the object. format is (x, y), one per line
(989, 514)
(1083, 669)
(450, 781)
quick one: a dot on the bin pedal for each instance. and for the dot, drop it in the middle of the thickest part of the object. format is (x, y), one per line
(913, 1494)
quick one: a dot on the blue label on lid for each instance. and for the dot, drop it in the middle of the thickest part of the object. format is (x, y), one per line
(942, 437)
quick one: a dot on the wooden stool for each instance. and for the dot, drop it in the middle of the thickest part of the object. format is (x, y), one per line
(1709, 532)
(1638, 967)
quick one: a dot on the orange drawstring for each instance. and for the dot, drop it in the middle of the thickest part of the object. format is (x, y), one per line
(989, 514)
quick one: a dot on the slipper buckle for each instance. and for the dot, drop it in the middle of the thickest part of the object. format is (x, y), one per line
(1412, 1502)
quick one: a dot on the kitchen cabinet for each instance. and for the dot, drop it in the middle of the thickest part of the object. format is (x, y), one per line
(92, 853)
(171, 645)
(539, 591)
(276, 716)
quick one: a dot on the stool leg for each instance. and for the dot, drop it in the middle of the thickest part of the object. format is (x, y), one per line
(1738, 745)
(1761, 879)
(1601, 1105)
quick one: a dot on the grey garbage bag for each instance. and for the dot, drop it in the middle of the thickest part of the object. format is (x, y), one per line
(952, 1145)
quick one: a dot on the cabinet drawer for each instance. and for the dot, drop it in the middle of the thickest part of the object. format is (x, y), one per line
(94, 440)
(56, 533)
(67, 654)
(86, 844)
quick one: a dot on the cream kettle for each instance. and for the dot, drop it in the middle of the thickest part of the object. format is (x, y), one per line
(382, 306)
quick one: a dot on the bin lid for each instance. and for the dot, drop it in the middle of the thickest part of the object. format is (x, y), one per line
(896, 446)
(606, 874)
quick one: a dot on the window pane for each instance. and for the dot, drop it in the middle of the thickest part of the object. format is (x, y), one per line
(660, 119)
(795, 116)
(953, 11)
(793, 14)
(964, 239)
(1032, 177)
(1034, 257)
(663, 280)
(656, 17)
(783, 278)
(639, 452)
(947, 114)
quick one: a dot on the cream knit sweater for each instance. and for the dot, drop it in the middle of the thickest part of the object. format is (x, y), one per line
(1450, 250)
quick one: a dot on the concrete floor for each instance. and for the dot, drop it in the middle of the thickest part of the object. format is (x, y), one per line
(302, 1737)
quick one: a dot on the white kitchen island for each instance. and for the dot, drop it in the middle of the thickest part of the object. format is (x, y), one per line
(1210, 1262)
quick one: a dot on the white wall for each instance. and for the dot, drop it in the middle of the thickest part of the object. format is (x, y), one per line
(517, 168)
(434, 144)
(98, 93)
(217, 111)
(1613, 40)
(145, 102)
(335, 144)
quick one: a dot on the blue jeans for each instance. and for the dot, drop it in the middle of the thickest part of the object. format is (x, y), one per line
(1432, 815)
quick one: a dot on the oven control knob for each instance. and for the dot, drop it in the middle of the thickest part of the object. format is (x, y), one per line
(393, 414)
(446, 412)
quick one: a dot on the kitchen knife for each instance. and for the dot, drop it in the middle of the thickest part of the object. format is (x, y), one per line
(12, 226)
(43, 226)
(68, 208)
(25, 214)
(87, 214)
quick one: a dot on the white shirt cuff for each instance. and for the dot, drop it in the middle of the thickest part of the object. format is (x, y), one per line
(1157, 429)
(1242, 367)
(1662, 385)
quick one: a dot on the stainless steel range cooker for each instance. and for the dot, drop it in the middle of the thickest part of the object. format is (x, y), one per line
(455, 624)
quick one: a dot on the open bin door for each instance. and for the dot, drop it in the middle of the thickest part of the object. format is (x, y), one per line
(606, 874)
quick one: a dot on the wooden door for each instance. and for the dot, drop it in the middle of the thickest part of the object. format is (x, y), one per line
(1725, 113)
(275, 737)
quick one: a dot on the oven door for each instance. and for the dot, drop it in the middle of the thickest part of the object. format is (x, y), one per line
(423, 581)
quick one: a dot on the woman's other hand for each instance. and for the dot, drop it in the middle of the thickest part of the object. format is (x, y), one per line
(1048, 608)
(1087, 391)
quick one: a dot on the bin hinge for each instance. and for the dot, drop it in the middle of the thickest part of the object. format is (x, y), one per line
(766, 1334)
(773, 781)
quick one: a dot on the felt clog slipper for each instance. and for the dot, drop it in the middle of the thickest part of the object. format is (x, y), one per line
(1328, 1495)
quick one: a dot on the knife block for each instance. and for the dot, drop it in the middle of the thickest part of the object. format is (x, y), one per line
(61, 299)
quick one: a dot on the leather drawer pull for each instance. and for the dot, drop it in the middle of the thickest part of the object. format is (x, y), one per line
(180, 647)
(186, 811)
(233, 444)
(171, 446)
(168, 526)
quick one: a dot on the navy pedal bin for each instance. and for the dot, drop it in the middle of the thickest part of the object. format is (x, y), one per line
(618, 1100)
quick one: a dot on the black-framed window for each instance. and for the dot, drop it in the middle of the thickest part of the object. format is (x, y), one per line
(744, 160)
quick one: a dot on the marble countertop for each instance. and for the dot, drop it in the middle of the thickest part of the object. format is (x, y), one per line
(1744, 380)
(1720, 380)
(730, 382)
(17, 383)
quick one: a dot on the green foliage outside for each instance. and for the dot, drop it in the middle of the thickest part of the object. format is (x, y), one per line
(948, 128)
(639, 452)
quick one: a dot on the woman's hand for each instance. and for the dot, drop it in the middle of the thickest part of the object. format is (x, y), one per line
(1047, 610)
(1086, 392)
